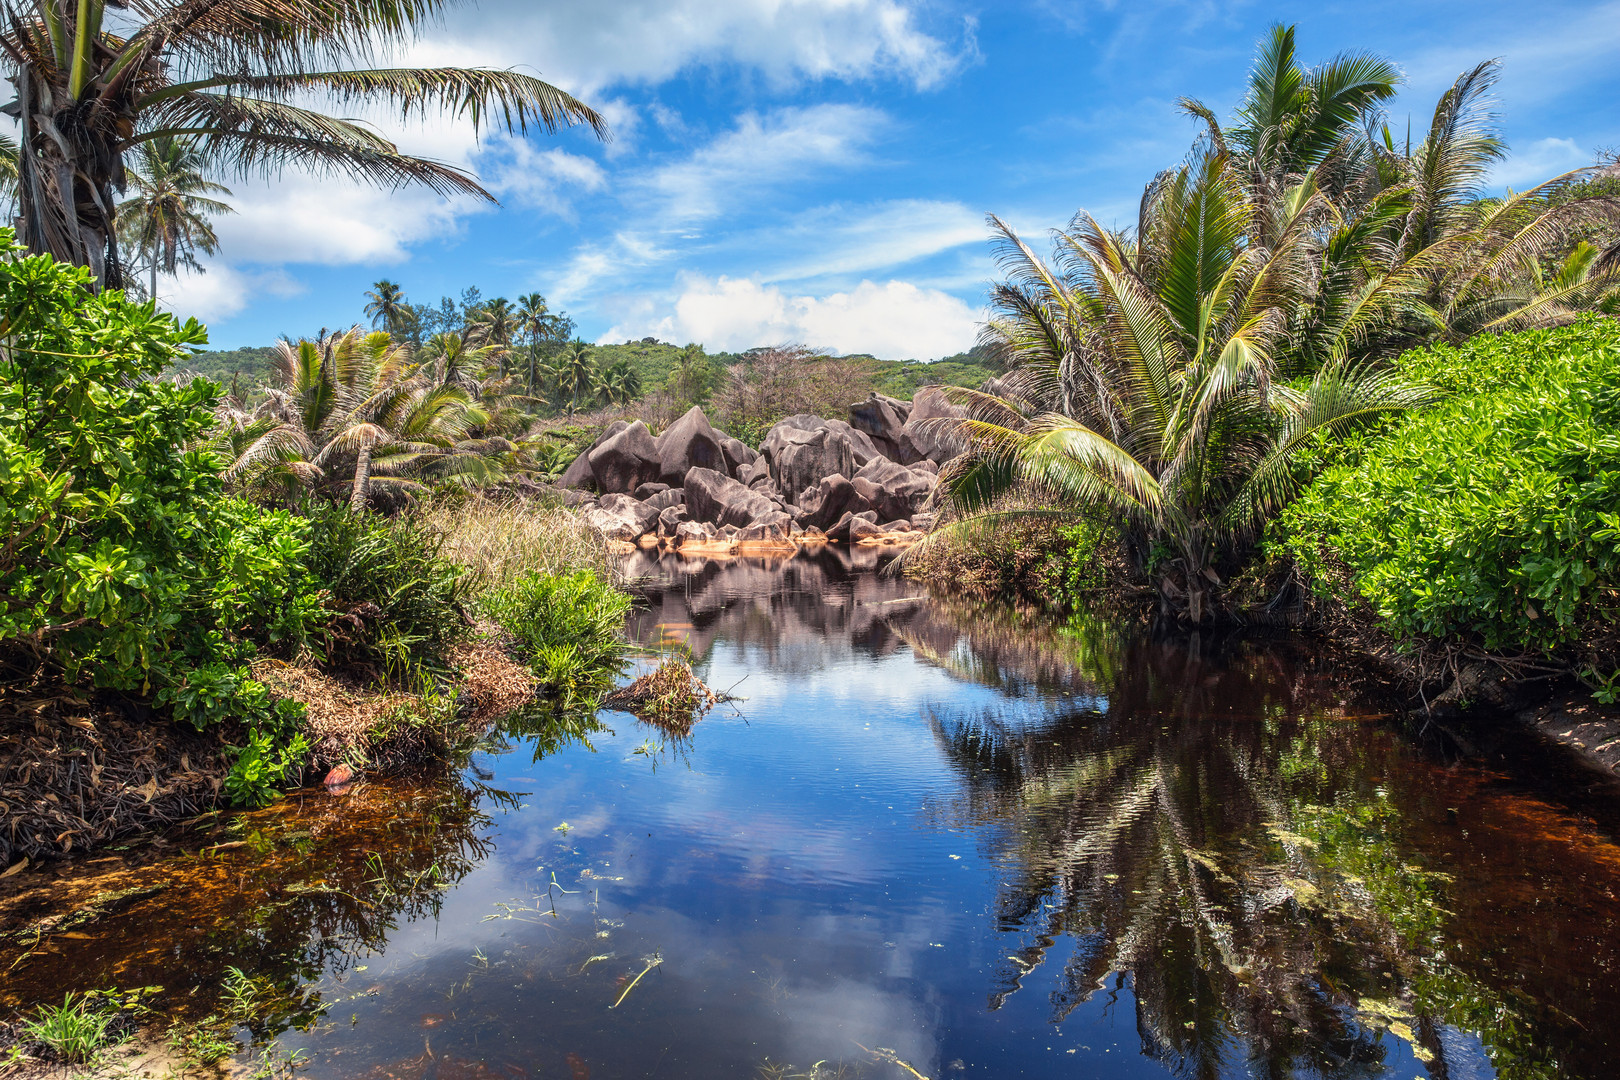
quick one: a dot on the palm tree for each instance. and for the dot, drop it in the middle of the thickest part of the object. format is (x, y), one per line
(231, 74)
(1147, 381)
(166, 220)
(534, 322)
(579, 379)
(349, 413)
(620, 383)
(386, 305)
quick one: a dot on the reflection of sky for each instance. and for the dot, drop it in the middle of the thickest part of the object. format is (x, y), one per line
(786, 869)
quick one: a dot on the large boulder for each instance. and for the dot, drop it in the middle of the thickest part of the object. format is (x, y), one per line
(647, 491)
(881, 417)
(694, 532)
(639, 514)
(864, 450)
(801, 459)
(866, 530)
(738, 454)
(841, 531)
(929, 434)
(579, 474)
(670, 519)
(626, 460)
(894, 491)
(665, 499)
(823, 505)
(690, 443)
(717, 498)
(773, 528)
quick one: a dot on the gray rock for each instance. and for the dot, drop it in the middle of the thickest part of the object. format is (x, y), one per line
(864, 450)
(865, 530)
(637, 513)
(647, 491)
(626, 461)
(712, 496)
(894, 491)
(801, 459)
(738, 453)
(840, 532)
(822, 506)
(694, 532)
(665, 499)
(881, 417)
(930, 434)
(579, 475)
(776, 528)
(670, 519)
(690, 443)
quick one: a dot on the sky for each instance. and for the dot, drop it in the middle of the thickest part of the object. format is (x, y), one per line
(818, 171)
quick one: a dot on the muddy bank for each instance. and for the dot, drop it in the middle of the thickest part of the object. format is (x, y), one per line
(77, 773)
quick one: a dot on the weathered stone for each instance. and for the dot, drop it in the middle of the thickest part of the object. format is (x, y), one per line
(864, 450)
(894, 491)
(572, 498)
(738, 453)
(665, 499)
(929, 433)
(670, 519)
(626, 461)
(712, 496)
(579, 474)
(642, 517)
(647, 491)
(694, 532)
(802, 458)
(865, 530)
(689, 443)
(881, 417)
(772, 528)
(824, 504)
(840, 531)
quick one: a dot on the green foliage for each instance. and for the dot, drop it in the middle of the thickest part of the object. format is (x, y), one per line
(1494, 517)
(78, 1029)
(397, 601)
(249, 367)
(568, 627)
(124, 563)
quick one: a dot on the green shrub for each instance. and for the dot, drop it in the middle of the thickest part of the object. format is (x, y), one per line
(568, 627)
(397, 601)
(122, 560)
(1493, 517)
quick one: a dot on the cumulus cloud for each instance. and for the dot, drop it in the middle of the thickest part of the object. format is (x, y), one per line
(894, 320)
(1539, 162)
(591, 46)
(222, 291)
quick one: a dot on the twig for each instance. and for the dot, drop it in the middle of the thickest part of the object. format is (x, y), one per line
(652, 961)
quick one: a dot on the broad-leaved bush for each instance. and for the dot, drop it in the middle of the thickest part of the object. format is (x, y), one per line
(1493, 517)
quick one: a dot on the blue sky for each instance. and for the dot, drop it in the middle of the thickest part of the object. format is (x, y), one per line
(818, 171)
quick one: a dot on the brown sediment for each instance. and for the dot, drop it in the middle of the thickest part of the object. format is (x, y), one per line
(76, 772)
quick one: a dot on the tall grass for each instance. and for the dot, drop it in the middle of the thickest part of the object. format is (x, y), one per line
(76, 1030)
(501, 541)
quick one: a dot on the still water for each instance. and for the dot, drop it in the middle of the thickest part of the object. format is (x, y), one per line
(933, 839)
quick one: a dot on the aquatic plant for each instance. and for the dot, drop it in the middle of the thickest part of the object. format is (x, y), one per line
(78, 1029)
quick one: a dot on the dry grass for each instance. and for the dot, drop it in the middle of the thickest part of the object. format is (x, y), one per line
(499, 540)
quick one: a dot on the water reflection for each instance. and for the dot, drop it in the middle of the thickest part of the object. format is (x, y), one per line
(972, 839)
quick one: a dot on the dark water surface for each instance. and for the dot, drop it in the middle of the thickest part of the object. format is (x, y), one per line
(936, 839)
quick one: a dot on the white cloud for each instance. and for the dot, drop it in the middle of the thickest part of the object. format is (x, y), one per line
(222, 291)
(589, 46)
(831, 240)
(1539, 162)
(761, 151)
(895, 320)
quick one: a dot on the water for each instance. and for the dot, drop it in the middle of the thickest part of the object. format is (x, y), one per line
(936, 839)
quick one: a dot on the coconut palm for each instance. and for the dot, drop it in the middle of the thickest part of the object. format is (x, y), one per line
(352, 413)
(579, 379)
(166, 220)
(535, 323)
(1146, 380)
(387, 307)
(232, 74)
(620, 383)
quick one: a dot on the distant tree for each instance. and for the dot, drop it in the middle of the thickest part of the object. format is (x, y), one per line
(620, 383)
(496, 323)
(166, 220)
(578, 374)
(693, 377)
(387, 307)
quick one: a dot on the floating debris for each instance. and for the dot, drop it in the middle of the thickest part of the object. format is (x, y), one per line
(652, 961)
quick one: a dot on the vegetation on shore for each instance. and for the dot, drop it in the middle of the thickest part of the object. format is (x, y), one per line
(1173, 387)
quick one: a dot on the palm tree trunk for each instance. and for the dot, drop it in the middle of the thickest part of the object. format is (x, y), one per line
(362, 480)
